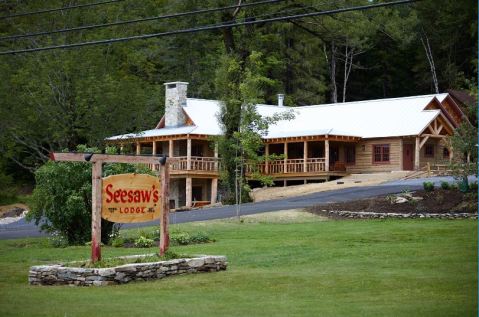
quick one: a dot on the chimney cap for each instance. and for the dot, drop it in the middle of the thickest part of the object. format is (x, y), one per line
(174, 83)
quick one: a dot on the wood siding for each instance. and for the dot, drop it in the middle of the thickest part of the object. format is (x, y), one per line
(364, 158)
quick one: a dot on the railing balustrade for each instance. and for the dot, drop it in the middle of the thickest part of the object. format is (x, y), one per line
(313, 165)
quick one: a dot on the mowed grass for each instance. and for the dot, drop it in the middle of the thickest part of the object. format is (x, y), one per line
(300, 267)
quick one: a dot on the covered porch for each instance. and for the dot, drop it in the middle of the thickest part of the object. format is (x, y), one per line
(307, 157)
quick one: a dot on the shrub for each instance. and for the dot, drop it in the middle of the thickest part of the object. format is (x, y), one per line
(428, 186)
(182, 238)
(473, 186)
(143, 242)
(445, 185)
(117, 242)
(57, 240)
(62, 196)
(200, 237)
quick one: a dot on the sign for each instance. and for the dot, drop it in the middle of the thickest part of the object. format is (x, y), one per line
(130, 198)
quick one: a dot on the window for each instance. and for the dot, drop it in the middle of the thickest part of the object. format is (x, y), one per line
(381, 153)
(350, 154)
(445, 153)
(429, 150)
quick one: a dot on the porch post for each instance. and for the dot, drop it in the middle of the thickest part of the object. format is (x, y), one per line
(138, 148)
(416, 153)
(216, 157)
(153, 151)
(401, 155)
(266, 162)
(326, 155)
(305, 157)
(189, 192)
(188, 154)
(171, 152)
(214, 190)
(285, 162)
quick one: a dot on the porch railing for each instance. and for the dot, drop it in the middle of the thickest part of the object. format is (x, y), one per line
(198, 163)
(311, 165)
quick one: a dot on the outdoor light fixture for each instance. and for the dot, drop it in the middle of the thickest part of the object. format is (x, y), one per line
(88, 157)
(163, 160)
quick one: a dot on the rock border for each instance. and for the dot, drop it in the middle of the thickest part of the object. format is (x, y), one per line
(383, 215)
(74, 276)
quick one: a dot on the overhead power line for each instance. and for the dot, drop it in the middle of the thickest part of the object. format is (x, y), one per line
(16, 15)
(210, 27)
(161, 17)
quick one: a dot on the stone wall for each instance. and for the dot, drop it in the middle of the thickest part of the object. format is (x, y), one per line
(382, 215)
(74, 276)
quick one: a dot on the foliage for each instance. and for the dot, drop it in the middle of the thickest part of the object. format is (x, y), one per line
(62, 197)
(144, 242)
(117, 242)
(445, 185)
(184, 238)
(58, 99)
(241, 85)
(428, 186)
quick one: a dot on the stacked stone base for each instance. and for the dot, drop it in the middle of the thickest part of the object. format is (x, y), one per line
(382, 215)
(61, 275)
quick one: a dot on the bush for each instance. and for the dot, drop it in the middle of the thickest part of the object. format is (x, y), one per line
(473, 186)
(62, 196)
(184, 238)
(143, 242)
(445, 185)
(428, 186)
(118, 242)
(56, 240)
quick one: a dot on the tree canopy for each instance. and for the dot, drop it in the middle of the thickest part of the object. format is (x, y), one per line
(61, 98)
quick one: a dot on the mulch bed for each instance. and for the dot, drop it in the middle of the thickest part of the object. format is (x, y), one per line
(437, 201)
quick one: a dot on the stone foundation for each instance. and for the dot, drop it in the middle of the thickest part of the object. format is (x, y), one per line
(382, 215)
(74, 276)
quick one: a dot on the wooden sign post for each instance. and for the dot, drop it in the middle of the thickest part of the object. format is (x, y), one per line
(144, 213)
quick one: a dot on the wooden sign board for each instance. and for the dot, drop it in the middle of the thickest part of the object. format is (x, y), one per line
(130, 198)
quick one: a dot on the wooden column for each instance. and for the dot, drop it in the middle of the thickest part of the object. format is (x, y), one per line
(416, 153)
(171, 148)
(285, 163)
(214, 190)
(305, 157)
(266, 162)
(165, 210)
(216, 156)
(96, 211)
(326, 155)
(401, 154)
(189, 192)
(153, 148)
(138, 148)
(188, 154)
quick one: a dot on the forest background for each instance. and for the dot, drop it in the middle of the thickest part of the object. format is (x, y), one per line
(59, 99)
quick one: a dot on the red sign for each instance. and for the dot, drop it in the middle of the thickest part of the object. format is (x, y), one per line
(131, 198)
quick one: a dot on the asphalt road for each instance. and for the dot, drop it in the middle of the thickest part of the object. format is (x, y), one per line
(21, 228)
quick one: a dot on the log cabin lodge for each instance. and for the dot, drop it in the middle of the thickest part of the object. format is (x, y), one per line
(322, 142)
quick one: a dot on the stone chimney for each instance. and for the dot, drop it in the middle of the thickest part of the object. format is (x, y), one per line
(280, 100)
(175, 99)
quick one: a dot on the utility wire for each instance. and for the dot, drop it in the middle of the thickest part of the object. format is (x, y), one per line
(161, 17)
(209, 27)
(58, 9)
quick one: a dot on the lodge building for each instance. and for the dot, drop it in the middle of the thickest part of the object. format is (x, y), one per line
(319, 143)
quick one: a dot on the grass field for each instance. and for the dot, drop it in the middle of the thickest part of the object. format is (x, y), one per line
(299, 266)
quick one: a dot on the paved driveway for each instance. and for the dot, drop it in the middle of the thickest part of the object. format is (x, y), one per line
(22, 228)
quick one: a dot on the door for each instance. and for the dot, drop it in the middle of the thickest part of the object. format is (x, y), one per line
(408, 157)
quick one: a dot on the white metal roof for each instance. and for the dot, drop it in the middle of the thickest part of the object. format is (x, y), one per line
(366, 119)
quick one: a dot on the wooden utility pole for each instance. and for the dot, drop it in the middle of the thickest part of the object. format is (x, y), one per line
(97, 161)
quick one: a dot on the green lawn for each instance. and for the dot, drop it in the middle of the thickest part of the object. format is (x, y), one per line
(301, 267)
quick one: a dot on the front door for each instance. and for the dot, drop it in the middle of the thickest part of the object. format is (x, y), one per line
(408, 157)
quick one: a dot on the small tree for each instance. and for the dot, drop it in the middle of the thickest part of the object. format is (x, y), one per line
(61, 200)
(242, 85)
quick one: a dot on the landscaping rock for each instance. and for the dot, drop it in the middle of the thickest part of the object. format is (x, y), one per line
(61, 275)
